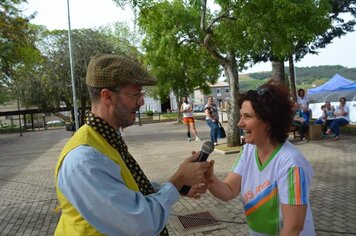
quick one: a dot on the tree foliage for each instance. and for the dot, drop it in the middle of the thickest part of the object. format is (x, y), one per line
(189, 37)
(48, 85)
(17, 45)
(342, 15)
(286, 24)
(179, 66)
(233, 33)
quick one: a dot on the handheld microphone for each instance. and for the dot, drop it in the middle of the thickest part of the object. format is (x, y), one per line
(206, 149)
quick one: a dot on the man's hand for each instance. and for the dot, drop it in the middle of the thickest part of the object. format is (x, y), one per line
(197, 190)
(190, 172)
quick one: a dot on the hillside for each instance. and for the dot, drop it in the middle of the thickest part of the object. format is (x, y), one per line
(306, 77)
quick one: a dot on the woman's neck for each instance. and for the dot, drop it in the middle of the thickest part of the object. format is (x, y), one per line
(265, 149)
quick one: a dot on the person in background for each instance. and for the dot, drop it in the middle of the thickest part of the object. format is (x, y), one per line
(303, 102)
(272, 176)
(341, 118)
(188, 119)
(100, 187)
(301, 120)
(212, 119)
(322, 118)
(330, 116)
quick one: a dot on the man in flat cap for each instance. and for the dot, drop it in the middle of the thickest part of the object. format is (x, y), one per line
(100, 187)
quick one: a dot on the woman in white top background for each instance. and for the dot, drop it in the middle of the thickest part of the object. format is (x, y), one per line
(303, 102)
(341, 118)
(188, 119)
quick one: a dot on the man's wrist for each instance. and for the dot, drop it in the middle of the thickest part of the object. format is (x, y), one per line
(176, 183)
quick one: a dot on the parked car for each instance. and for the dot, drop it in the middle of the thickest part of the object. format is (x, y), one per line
(55, 123)
(198, 108)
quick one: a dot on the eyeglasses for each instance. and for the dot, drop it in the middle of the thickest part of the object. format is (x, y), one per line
(138, 97)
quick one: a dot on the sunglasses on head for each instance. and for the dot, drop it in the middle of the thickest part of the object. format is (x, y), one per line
(260, 91)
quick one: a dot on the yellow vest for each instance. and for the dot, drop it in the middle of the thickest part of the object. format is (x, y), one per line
(71, 223)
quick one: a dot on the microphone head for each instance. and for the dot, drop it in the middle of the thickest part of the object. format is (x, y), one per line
(208, 147)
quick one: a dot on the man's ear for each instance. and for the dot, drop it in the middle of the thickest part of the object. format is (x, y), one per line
(106, 95)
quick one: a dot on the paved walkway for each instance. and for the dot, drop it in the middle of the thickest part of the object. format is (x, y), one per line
(27, 194)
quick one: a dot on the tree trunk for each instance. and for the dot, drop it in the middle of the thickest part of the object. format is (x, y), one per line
(232, 75)
(292, 78)
(180, 114)
(278, 71)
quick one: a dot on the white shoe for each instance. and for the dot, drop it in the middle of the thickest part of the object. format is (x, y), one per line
(215, 144)
(189, 139)
(197, 139)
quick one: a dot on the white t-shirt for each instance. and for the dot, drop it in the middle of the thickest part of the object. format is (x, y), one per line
(303, 102)
(330, 114)
(346, 109)
(213, 110)
(186, 106)
(285, 178)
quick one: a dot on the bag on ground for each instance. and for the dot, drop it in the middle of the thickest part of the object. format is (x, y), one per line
(221, 132)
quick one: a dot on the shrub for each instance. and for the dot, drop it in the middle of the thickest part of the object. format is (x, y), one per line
(149, 113)
(11, 130)
(170, 115)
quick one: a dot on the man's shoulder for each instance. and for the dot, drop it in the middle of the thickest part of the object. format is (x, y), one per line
(84, 154)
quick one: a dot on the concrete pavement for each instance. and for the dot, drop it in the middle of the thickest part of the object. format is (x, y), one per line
(27, 194)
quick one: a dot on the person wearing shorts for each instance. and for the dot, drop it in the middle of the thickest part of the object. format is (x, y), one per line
(188, 119)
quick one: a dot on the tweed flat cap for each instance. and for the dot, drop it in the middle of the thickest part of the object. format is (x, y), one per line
(109, 71)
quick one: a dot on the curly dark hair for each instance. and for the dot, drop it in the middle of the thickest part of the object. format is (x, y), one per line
(272, 104)
(301, 90)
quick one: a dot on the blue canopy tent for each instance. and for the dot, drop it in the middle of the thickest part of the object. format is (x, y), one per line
(333, 84)
(347, 87)
(332, 91)
(350, 95)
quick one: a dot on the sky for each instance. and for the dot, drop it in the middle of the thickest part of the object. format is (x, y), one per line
(94, 13)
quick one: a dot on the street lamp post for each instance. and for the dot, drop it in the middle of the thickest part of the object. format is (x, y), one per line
(18, 108)
(72, 72)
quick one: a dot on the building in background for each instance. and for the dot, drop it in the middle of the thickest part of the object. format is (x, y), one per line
(220, 91)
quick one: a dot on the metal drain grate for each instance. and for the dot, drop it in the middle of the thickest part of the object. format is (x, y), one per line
(197, 220)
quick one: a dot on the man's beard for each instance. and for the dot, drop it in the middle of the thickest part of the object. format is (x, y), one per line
(125, 118)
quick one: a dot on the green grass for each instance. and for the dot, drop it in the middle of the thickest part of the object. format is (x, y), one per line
(225, 148)
(170, 115)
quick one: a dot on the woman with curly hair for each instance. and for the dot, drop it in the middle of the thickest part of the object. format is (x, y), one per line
(272, 176)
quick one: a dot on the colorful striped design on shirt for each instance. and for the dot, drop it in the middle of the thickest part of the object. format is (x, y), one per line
(261, 199)
(297, 186)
